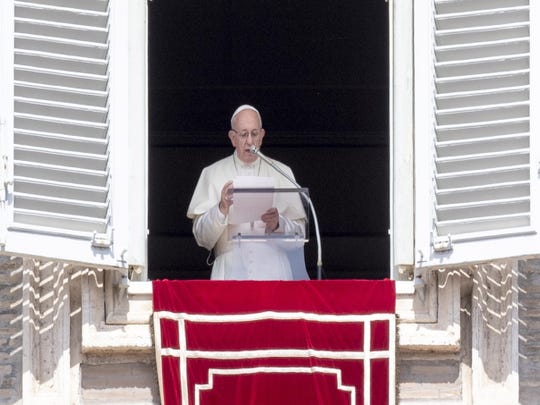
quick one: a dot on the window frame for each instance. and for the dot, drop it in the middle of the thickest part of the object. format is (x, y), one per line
(492, 245)
(128, 149)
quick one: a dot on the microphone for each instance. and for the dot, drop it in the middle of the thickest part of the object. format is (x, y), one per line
(256, 151)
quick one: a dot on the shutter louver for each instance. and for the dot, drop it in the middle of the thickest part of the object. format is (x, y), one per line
(482, 155)
(61, 145)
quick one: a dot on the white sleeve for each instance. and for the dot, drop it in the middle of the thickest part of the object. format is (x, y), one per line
(208, 227)
(290, 226)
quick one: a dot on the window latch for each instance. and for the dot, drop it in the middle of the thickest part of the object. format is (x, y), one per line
(442, 243)
(102, 240)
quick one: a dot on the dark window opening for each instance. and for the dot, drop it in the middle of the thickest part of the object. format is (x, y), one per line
(318, 73)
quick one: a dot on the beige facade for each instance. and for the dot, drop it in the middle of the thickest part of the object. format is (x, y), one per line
(77, 335)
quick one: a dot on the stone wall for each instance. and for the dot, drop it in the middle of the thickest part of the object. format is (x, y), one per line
(494, 319)
(11, 338)
(430, 354)
(529, 332)
(77, 335)
(119, 379)
(480, 364)
(56, 346)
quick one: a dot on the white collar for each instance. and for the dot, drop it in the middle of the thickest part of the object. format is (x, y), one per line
(240, 163)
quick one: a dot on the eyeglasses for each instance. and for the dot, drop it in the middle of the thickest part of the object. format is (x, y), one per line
(244, 134)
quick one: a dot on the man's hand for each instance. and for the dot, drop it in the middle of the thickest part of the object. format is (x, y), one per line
(226, 198)
(271, 219)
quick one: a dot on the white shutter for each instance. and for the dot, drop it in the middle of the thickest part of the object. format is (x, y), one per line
(67, 141)
(473, 98)
(61, 155)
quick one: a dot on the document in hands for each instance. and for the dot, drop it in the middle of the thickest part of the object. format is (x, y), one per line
(249, 206)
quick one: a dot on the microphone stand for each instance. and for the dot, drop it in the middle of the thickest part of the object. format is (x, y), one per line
(257, 152)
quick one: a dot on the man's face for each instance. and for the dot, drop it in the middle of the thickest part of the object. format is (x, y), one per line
(246, 132)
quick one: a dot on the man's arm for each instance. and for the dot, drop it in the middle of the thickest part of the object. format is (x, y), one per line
(208, 227)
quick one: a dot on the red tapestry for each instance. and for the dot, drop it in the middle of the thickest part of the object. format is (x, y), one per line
(275, 342)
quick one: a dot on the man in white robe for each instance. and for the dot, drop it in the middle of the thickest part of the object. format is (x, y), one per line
(211, 204)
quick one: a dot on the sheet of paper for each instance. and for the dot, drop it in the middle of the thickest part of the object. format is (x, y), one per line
(248, 207)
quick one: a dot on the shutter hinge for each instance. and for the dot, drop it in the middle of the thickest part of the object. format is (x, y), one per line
(442, 243)
(102, 240)
(5, 178)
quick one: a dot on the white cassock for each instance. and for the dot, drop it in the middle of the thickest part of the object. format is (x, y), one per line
(246, 260)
